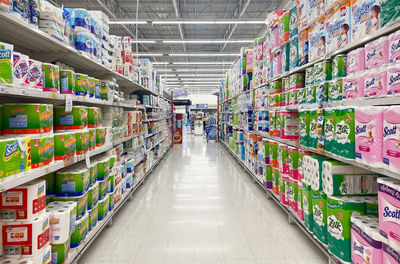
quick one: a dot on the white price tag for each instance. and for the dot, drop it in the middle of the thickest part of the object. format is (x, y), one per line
(4, 90)
(68, 103)
(87, 159)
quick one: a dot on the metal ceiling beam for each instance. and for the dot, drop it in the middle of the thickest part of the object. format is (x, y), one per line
(178, 15)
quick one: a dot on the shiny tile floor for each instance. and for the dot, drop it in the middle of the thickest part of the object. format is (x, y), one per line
(200, 206)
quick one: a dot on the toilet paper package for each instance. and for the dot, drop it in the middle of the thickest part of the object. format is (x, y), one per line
(390, 13)
(317, 41)
(275, 181)
(85, 42)
(25, 237)
(51, 77)
(356, 61)
(302, 9)
(67, 82)
(283, 27)
(296, 81)
(93, 196)
(311, 94)
(16, 156)
(293, 154)
(371, 206)
(375, 83)
(345, 132)
(59, 252)
(307, 207)
(268, 177)
(277, 63)
(27, 119)
(339, 213)
(377, 53)
(391, 137)
(393, 80)
(93, 217)
(25, 202)
(6, 63)
(366, 241)
(319, 204)
(283, 194)
(329, 130)
(80, 232)
(365, 17)
(283, 159)
(76, 119)
(389, 203)
(293, 22)
(82, 142)
(81, 20)
(303, 47)
(316, 9)
(353, 87)
(304, 127)
(350, 184)
(337, 25)
(322, 72)
(72, 181)
(20, 68)
(65, 145)
(81, 84)
(294, 52)
(390, 255)
(394, 47)
(103, 206)
(81, 202)
(290, 121)
(309, 76)
(34, 77)
(285, 60)
(339, 66)
(42, 151)
(369, 138)
(314, 133)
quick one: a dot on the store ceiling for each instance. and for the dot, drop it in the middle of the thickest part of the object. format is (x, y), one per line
(189, 61)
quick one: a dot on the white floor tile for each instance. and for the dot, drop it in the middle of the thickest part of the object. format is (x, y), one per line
(200, 207)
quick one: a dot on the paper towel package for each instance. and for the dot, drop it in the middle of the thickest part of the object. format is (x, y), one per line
(81, 202)
(389, 204)
(16, 152)
(337, 25)
(365, 240)
(27, 119)
(393, 80)
(72, 181)
(6, 63)
(82, 142)
(391, 138)
(93, 217)
(80, 232)
(93, 196)
(104, 207)
(339, 214)
(70, 206)
(377, 53)
(94, 172)
(369, 137)
(65, 145)
(51, 77)
(25, 202)
(67, 82)
(59, 252)
(25, 237)
(103, 166)
(60, 221)
(101, 134)
(76, 119)
(375, 83)
(42, 150)
(365, 18)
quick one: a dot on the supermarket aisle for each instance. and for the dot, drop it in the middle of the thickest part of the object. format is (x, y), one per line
(199, 206)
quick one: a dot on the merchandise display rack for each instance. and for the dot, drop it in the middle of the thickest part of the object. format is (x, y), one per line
(77, 253)
(293, 219)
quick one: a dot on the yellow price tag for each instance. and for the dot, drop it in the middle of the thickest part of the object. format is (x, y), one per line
(54, 95)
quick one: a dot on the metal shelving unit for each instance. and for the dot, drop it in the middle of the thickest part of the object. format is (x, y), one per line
(291, 217)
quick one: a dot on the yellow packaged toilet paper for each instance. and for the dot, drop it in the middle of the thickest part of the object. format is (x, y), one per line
(24, 202)
(25, 237)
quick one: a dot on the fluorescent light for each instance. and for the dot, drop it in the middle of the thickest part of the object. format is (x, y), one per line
(206, 22)
(193, 75)
(127, 22)
(203, 63)
(203, 54)
(160, 63)
(204, 79)
(194, 85)
(148, 54)
(205, 41)
(143, 41)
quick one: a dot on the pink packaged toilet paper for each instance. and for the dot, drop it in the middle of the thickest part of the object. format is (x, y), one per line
(394, 47)
(290, 125)
(368, 131)
(377, 53)
(390, 255)
(20, 68)
(391, 139)
(353, 87)
(375, 83)
(393, 80)
(34, 78)
(277, 63)
(389, 207)
(356, 61)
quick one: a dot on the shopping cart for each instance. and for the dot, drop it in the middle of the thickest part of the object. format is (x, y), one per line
(211, 130)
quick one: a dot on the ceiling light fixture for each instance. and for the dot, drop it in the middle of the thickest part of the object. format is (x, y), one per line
(205, 41)
(206, 22)
(127, 22)
(148, 54)
(143, 41)
(204, 63)
(192, 75)
(203, 54)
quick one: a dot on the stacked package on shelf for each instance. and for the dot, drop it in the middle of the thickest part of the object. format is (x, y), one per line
(51, 21)
(25, 225)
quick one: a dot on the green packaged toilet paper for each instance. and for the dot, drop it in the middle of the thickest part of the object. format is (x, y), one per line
(329, 130)
(294, 52)
(371, 206)
(335, 89)
(307, 207)
(16, 153)
(345, 133)
(313, 139)
(311, 96)
(42, 151)
(64, 146)
(320, 215)
(285, 53)
(339, 214)
(339, 66)
(304, 127)
(76, 119)
(27, 119)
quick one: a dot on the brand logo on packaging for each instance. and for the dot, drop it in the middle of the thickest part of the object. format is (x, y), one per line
(371, 55)
(47, 148)
(395, 46)
(5, 54)
(394, 79)
(34, 74)
(361, 129)
(358, 247)
(370, 83)
(335, 227)
(389, 131)
(11, 151)
(45, 224)
(40, 190)
(46, 257)
(21, 70)
(361, 11)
